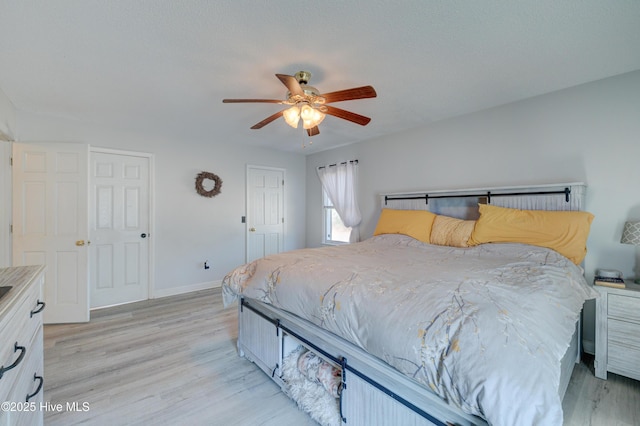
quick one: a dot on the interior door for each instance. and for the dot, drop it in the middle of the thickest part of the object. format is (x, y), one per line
(265, 212)
(119, 224)
(50, 223)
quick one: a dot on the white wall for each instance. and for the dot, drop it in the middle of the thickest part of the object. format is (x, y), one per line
(189, 228)
(588, 133)
(7, 124)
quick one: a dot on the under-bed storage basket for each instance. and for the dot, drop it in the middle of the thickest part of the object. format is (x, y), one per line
(259, 340)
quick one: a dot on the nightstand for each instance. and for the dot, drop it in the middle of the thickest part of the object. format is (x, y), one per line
(618, 331)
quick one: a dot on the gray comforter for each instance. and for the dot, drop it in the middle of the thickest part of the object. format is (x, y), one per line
(484, 327)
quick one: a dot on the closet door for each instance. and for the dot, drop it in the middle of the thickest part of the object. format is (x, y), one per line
(119, 226)
(50, 223)
(265, 212)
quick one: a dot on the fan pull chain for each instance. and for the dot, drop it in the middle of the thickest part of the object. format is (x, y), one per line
(310, 143)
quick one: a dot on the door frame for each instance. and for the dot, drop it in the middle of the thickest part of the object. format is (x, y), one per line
(151, 273)
(6, 195)
(246, 194)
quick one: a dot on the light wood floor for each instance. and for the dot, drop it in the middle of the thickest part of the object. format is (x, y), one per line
(173, 361)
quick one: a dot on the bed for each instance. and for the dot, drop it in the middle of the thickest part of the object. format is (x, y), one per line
(477, 324)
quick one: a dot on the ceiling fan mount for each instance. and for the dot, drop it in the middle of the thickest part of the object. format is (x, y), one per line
(303, 77)
(311, 95)
(307, 104)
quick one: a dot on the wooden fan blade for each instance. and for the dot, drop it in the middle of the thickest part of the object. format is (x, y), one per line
(350, 94)
(347, 115)
(267, 120)
(313, 131)
(234, 101)
(291, 83)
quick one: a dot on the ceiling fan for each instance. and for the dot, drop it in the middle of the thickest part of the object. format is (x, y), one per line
(306, 103)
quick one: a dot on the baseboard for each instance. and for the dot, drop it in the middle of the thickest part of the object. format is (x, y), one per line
(589, 346)
(173, 291)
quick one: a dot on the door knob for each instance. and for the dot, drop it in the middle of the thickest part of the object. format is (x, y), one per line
(252, 229)
(80, 243)
(143, 235)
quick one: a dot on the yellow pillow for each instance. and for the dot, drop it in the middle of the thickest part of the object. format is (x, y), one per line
(563, 231)
(449, 231)
(414, 223)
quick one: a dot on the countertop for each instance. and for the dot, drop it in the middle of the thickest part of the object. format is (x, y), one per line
(19, 278)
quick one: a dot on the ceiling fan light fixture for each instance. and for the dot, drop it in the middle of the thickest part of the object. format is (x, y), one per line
(292, 116)
(310, 116)
(306, 112)
(318, 116)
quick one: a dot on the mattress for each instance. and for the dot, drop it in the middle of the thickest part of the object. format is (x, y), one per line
(485, 327)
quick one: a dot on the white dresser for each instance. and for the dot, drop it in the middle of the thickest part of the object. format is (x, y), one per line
(618, 331)
(21, 346)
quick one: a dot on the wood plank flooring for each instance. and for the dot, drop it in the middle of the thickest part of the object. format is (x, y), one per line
(174, 361)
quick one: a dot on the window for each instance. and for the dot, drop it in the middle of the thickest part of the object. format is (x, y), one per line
(335, 232)
(339, 196)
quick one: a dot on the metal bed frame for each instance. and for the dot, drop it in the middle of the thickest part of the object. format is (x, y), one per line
(372, 391)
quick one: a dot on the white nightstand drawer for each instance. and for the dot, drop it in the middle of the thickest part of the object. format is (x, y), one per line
(623, 333)
(624, 307)
(625, 361)
(623, 342)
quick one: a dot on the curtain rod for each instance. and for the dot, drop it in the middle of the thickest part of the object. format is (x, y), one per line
(344, 162)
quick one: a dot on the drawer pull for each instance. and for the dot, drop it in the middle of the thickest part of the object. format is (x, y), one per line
(17, 348)
(41, 379)
(39, 308)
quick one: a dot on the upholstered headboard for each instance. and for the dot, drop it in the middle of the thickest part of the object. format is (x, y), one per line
(463, 203)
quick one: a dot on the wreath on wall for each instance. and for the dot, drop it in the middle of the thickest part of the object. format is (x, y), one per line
(200, 189)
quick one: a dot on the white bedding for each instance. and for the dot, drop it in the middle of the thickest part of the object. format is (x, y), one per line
(484, 327)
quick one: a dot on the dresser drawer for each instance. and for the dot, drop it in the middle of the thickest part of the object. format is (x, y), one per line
(21, 346)
(30, 384)
(624, 307)
(17, 332)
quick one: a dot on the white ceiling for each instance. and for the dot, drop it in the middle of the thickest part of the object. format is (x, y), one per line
(163, 66)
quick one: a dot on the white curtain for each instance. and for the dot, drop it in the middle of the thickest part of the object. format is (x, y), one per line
(339, 182)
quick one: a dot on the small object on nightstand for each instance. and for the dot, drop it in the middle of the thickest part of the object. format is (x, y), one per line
(608, 273)
(609, 282)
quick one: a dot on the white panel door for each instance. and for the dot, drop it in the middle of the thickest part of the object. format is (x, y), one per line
(265, 212)
(119, 223)
(50, 223)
